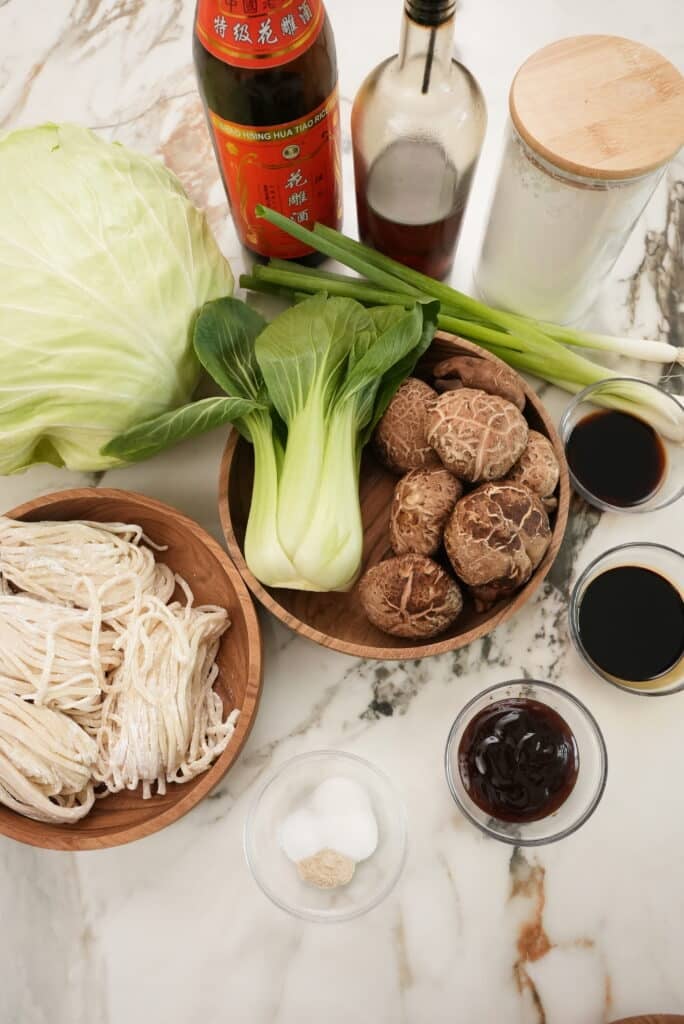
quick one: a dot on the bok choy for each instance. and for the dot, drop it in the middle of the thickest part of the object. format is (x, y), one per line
(306, 391)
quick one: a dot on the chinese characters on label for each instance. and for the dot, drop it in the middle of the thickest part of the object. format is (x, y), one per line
(292, 168)
(300, 198)
(265, 34)
(258, 33)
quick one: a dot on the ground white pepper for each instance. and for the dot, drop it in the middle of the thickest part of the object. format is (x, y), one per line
(327, 869)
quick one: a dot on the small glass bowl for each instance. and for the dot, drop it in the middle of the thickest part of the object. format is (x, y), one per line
(672, 485)
(275, 873)
(670, 564)
(591, 777)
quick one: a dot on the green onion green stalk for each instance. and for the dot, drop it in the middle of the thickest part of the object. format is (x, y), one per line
(542, 349)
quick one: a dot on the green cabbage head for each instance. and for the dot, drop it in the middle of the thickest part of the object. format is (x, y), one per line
(104, 263)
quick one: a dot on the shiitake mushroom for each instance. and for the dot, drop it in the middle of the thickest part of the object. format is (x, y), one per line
(476, 435)
(400, 437)
(421, 505)
(537, 468)
(495, 538)
(410, 596)
(483, 374)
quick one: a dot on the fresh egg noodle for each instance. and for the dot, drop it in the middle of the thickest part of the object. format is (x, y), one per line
(59, 655)
(104, 680)
(46, 761)
(84, 564)
(161, 720)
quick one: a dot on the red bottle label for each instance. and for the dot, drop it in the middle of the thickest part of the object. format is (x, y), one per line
(258, 33)
(293, 168)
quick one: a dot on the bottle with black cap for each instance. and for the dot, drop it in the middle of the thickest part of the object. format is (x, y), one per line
(418, 125)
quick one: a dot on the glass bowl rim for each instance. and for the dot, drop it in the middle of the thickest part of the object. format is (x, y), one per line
(573, 608)
(603, 766)
(321, 917)
(564, 433)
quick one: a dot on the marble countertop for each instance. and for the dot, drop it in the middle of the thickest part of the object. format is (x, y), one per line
(172, 928)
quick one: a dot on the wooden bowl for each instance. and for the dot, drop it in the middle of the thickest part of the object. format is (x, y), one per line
(338, 620)
(652, 1018)
(123, 817)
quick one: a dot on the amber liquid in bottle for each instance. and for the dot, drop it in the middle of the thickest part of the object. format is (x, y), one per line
(418, 124)
(416, 225)
(277, 100)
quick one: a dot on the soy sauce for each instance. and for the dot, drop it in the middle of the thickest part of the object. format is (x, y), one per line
(518, 760)
(616, 457)
(631, 623)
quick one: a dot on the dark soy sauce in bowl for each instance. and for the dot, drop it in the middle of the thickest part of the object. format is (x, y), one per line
(631, 623)
(617, 458)
(518, 760)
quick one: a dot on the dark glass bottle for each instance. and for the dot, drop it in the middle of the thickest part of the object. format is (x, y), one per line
(267, 75)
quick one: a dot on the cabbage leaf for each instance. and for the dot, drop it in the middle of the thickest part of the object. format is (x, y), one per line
(104, 263)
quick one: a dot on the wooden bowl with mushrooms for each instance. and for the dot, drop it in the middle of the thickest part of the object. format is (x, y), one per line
(429, 578)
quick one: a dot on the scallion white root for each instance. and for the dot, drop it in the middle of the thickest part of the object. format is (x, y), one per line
(631, 348)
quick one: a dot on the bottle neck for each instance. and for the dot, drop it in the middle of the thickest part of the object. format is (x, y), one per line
(427, 36)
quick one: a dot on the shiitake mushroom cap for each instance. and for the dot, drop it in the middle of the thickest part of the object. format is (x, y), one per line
(476, 435)
(410, 596)
(400, 437)
(421, 505)
(495, 538)
(537, 467)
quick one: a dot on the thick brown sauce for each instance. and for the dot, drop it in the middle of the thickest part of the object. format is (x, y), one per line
(518, 760)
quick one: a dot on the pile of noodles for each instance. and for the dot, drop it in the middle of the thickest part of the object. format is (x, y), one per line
(105, 682)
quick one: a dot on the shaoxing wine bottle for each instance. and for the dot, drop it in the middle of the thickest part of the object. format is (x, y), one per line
(267, 74)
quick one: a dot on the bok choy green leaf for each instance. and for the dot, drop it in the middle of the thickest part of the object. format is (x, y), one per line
(306, 391)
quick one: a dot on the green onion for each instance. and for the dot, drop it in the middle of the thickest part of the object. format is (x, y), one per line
(634, 348)
(526, 344)
(333, 284)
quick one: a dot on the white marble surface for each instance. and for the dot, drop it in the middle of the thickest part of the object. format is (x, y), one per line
(172, 929)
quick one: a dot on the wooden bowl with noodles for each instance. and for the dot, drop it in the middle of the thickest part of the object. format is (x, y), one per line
(337, 620)
(192, 553)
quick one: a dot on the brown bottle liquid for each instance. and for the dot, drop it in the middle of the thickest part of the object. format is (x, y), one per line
(410, 205)
(267, 75)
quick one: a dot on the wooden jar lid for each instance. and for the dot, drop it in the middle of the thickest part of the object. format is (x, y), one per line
(599, 106)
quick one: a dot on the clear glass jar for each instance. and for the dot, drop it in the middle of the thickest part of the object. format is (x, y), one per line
(552, 236)
(418, 124)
